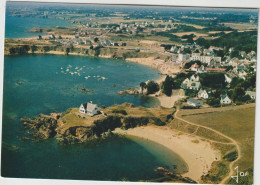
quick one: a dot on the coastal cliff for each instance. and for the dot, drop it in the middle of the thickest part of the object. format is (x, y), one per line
(74, 127)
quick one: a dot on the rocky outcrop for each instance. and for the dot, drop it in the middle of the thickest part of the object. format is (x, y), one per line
(71, 127)
(128, 91)
(99, 129)
(173, 176)
(42, 127)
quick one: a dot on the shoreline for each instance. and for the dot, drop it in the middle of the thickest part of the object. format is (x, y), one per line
(165, 101)
(198, 156)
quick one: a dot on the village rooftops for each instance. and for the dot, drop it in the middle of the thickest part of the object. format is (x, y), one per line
(194, 103)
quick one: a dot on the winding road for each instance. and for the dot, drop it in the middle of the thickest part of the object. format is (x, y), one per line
(231, 167)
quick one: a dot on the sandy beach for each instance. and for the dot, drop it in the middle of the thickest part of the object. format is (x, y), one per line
(166, 68)
(198, 154)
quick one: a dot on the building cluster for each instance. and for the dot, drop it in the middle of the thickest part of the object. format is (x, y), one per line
(208, 61)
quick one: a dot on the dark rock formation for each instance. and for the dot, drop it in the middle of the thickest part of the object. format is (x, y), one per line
(173, 176)
(42, 127)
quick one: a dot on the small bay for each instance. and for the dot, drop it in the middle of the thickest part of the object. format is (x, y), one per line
(35, 84)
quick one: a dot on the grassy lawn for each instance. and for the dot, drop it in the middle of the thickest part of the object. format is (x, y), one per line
(73, 118)
(238, 124)
(157, 112)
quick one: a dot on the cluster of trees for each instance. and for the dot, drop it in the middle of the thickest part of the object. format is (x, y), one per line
(236, 91)
(183, 28)
(168, 85)
(216, 82)
(109, 25)
(169, 35)
(24, 49)
(189, 38)
(171, 83)
(152, 87)
(239, 86)
(217, 27)
(213, 80)
(189, 64)
(240, 41)
(19, 50)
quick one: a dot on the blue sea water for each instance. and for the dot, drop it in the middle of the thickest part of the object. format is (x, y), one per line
(18, 27)
(46, 87)
(35, 84)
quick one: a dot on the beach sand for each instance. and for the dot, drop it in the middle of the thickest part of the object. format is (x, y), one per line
(167, 101)
(198, 155)
(166, 68)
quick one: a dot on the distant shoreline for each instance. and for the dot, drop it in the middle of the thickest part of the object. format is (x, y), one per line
(164, 100)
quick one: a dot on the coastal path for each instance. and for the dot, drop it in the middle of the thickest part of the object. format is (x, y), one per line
(231, 172)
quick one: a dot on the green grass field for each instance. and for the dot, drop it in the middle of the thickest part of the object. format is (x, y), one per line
(238, 124)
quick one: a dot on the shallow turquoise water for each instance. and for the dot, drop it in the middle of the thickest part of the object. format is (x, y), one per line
(46, 88)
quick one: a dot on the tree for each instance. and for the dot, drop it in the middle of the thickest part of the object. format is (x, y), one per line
(229, 68)
(152, 87)
(214, 102)
(46, 48)
(235, 53)
(235, 81)
(213, 80)
(12, 51)
(34, 48)
(191, 92)
(179, 78)
(237, 95)
(168, 85)
(189, 64)
(96, 39)
(143, 86)
(23, 49)
(246, 98)
(67, 50)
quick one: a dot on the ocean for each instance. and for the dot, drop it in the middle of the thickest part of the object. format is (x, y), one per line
(35, 84)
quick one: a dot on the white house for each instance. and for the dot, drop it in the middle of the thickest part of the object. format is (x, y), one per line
(251, 94)
(174, 49)
(194, 103)
(195, 78)
(228, 79)
(89, 108)
(192, 83)
(195, 56)
(194, 67)
(203, 94)
(183, 57)
(201, 69)
(225, 100)
(242, 74)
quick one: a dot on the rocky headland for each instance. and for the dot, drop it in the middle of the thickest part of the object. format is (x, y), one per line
(74, 127)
